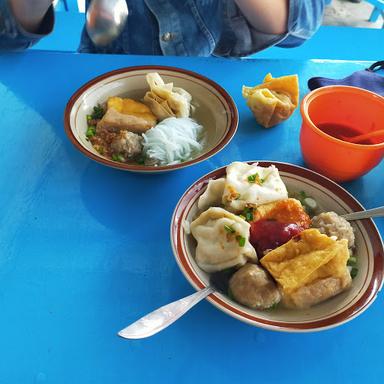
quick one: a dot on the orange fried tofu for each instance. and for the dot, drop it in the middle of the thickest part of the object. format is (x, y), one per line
(284, 211)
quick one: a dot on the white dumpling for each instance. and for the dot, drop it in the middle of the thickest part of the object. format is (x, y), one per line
(222, 240)
(252, 185)
(213, 195)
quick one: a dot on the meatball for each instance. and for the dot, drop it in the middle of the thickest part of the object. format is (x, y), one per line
(252, 286)
(331, 224)
(127, 144)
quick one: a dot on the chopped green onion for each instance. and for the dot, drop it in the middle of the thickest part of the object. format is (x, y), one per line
(255, 179)
(302, 195)
(354, 272)
(352, 261)
(115, 157)
(273, 306)
(91, 131)
(248, 213)
(240, 240)
(310, 203)
(89, 117)
(120, 158)
(98, 112)
(229, 229)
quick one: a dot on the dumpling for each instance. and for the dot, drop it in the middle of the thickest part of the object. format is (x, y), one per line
(222, 240)
(252, 185)
(165, 100)
(274, 100)
(310, 268)
(212, 196)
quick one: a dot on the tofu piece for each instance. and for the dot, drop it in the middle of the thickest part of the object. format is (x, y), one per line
(127, 114)
(285, 211)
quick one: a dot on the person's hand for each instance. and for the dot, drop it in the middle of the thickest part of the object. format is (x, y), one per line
(268, 16)
(30, 13)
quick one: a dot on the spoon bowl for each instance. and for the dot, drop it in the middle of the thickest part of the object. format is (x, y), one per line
(363, 137)
(106, 20)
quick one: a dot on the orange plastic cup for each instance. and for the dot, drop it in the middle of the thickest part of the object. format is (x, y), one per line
(357, 108)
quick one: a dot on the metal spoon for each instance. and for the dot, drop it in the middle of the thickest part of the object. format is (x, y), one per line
(161, 318)
(106, 20)
(374, 212)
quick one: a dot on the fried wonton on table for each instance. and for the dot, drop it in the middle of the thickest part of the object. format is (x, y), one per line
(274, 100)
(310, 268)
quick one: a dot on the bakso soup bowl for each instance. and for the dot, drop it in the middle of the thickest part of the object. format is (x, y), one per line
(212, 107)
(330, 313)
(341, 110)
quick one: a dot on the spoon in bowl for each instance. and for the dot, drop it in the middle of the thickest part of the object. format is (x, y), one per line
(365, 136)
(366, 214)
(106, 20)
(162, 317)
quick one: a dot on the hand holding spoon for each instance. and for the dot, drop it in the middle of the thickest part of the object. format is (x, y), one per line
(106, 20)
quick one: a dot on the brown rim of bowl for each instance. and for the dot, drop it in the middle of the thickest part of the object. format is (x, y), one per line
(305, 115)
(234, 121)
(349, 313)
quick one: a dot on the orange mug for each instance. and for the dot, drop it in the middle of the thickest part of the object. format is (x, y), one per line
(340, 106)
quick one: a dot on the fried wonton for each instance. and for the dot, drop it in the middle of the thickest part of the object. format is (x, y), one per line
(127, 114)
(285, 211)
(310, 268)
(274, 100)
(165, 100)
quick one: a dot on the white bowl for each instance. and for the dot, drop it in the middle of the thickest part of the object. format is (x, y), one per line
(330, 197)
(214, 109)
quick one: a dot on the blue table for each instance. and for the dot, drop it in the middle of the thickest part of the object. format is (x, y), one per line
(84, 250)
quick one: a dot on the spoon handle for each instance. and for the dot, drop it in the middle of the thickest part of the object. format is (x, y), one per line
(164, 316)
(374, 212)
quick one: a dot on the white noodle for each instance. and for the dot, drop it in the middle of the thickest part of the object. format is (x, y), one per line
(172, 141)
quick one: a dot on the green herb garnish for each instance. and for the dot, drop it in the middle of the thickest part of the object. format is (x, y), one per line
(273, 306)
(248, 214)
(240, 240)
(255, 179)
(354, 272)
(352, 261)
(91, 131)
(89, 117)
(98, 112)
(115, 157)
(229, 229)
(120, 158)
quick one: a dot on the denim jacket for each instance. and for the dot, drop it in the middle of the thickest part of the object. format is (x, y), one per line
(181, 27)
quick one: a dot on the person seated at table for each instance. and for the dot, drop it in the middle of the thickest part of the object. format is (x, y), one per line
(173, 27)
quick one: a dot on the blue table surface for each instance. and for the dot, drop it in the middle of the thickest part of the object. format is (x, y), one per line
(85, 250)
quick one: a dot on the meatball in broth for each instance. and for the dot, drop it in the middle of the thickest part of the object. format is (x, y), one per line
(252, 286)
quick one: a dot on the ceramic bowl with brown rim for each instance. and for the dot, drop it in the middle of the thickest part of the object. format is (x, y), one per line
(330, 197)
(214, 109)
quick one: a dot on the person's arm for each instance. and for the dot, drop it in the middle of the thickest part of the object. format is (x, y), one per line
(24, 22)
(253, 25)
(267, 16)
(30, 13)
